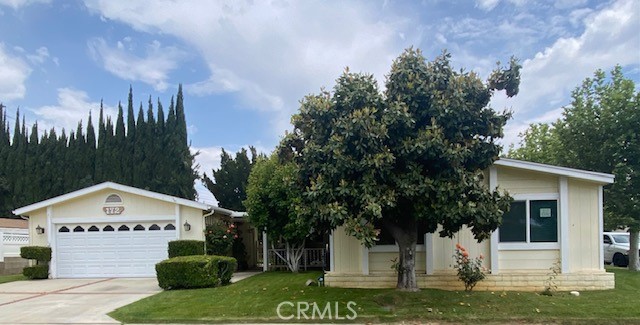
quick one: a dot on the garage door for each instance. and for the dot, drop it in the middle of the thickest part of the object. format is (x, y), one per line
(111, 250)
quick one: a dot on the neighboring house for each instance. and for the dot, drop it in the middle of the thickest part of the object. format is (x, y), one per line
(556, 216)
(13, 235)
(113, 230)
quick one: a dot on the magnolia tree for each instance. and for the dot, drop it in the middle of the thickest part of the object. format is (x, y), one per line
(410, 156)
(273, 195)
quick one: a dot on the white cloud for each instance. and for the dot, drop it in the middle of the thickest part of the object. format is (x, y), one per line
(271, 54)
(17, 4)
(487, 5)
(153, 68)
(40, 56)
(609, 38)
(73, 106)
(14, 72)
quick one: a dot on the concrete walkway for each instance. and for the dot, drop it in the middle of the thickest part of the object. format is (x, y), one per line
(75, 301)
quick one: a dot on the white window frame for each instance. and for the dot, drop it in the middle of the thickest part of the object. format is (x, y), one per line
(528, 245)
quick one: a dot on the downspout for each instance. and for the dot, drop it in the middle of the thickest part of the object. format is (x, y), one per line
(204, 218)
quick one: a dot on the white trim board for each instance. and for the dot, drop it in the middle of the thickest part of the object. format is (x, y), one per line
(112, 186)
(601, 178)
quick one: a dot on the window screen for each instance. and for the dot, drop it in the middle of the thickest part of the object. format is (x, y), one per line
(544, 221)
(514, 223)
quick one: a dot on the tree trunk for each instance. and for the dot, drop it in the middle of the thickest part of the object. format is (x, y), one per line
(406, 235)
(292, 255)
(634, 265)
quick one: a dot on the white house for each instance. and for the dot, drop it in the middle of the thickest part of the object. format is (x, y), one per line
(113, 230)
(556, 217)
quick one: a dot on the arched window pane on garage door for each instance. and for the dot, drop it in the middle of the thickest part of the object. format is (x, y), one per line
(169, 227)
(107, 228)
(154, 227)
(63, 229)
(123, 228)
(93, 228)
(78, 229)
(138, 228)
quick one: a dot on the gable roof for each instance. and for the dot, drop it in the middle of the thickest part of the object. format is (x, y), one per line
(111, 186)
(585, 175)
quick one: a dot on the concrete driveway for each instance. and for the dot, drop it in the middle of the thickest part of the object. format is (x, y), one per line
(70, 301)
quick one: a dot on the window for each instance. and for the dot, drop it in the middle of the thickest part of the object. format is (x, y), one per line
(606, 239)
(78, 229)
(154, 227)
(63, 229)
(113, 199)
(123, 228)
(385, 237)
(169, 227)
(530, 221)
(138, 228)
(93, 228)
(107, 228)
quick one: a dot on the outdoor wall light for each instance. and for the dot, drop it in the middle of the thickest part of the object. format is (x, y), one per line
(39, 230)
(187, 226)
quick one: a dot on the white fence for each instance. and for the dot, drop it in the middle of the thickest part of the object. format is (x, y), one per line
(311, 257)
(11, 240)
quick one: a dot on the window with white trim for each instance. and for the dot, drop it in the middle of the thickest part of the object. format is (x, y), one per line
(530, 221)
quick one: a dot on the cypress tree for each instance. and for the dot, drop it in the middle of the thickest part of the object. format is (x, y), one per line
(139, 168)
(129, 150)
(99, 157)
(119, 150)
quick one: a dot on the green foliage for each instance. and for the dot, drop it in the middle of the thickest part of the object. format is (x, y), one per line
(198, 271)
(35, 167)
(273, 200)
(186, 248)
(226, 267)
(219, 238)
(413, 155)
(598, 132)
(470, 271)
(38, 253)
(229, 183)
(187, 272)
(36, 272)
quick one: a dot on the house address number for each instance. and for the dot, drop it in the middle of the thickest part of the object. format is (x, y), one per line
(110, 211)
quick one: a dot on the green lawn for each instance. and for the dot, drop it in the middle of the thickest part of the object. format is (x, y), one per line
(11, 278)
(256, 299)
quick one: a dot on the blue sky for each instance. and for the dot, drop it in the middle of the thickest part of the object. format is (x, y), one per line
(245, 65)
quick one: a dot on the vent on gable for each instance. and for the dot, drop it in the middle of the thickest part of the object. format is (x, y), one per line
(113, 199)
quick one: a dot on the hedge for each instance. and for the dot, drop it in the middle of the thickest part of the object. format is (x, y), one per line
(186, 248)
(226, 267)
(36, 272)
(197, 271)
(38, 253)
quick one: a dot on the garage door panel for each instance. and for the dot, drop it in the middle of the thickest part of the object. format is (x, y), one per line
(125, 253)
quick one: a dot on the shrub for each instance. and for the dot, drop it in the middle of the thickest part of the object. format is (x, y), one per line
(185, 272)
(186, 248)
(219, 238)
(470, 271)
(226, 267)
(38, 253)
(36, 272)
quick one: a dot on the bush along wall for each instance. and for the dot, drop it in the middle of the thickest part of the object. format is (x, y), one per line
(186, 248)
(196, 271)
(42, 256)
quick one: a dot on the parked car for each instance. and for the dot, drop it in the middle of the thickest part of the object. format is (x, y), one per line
(616, 248)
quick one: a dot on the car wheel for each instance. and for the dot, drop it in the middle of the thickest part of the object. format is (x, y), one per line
(620, 260)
